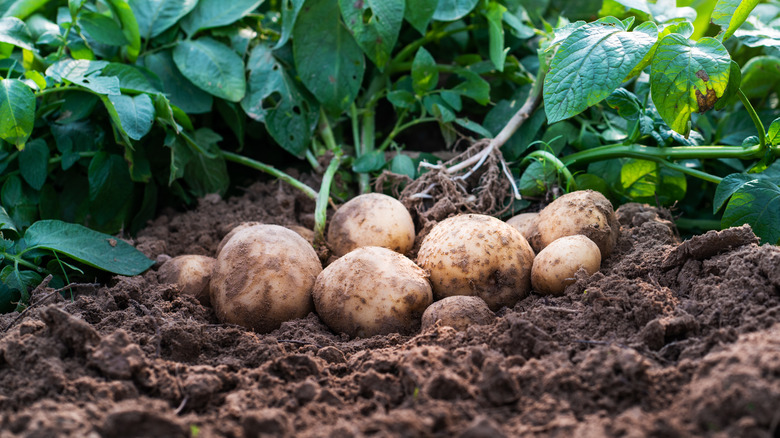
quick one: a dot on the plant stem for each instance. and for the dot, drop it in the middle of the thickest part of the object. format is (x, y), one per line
(429, 37)
(367, 143)
(276, 173)
(559, 166)
(400, 128)
(653, 153)
(327, 133)
(320, 211)
(756, 121)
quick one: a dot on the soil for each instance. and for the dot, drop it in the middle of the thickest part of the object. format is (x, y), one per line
(666, 340)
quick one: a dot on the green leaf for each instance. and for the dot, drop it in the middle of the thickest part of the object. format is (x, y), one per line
(215, 13)
(425, 74)
(328, 60)
(419, 13)
(235, 118)
(727, 187)
(730, 14)
(760, 76)
(756, 203)
(687, 76)
(87, 246)
(110, 186)
(205, 175)
(474, 87)
(274, 98)
(370, 162)
(494, 15)
(402, 99)
(623, 6)
(6, 223)
(129, 24)
(773, 133)
(451, 10)
(474, 127)
(403, 165)
(591, 63)
(136, 114)
(375, 25)
(17, 112)
(84, 73)
(34, 163)
(14, 31)
(133, 79)
(213, 67)
(732, 88)
(156, 16)
(290, 11)
(537, 179)
(646, 181)
(117, 122)
(101, 28)
(21, 9)
(181, 92)
(20, 200)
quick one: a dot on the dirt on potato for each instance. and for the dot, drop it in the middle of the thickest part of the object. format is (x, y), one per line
(666, 340)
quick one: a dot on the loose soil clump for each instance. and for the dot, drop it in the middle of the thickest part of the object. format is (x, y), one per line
(668, 339)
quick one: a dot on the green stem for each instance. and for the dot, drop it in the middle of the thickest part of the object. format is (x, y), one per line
(432, 35)
(327, 133)
(367, 144)
(756, 120)
(312, 160)
(276, 173)
(400, 128)
(353, 114)
(320, 211)
(549, 157)
(18, 260)
(663, 153)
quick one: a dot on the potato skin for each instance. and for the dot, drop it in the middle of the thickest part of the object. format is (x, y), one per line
(458, 312)
(585, 212)
(303, 231)
(372, 291)
(480, 255)
(525, 223)
(371, 219)
(191, 273)
(264, 276)
(554, 267)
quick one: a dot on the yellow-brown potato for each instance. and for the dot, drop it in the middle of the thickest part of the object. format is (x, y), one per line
(458, 312)
(372, 291)
(372, 219)
(263, 277)
(191, 273)
(583, 212)
(303, 231)
(525, 223)
(554, 267)
(480, 255)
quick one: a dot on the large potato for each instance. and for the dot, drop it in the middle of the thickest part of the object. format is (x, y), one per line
(372, 219)
(525, 223)
(583, 212)
(458, 312)
(263, 277)
(303, 231)
(480, 255)
(191, 273)
(372, 291)
(554, 267)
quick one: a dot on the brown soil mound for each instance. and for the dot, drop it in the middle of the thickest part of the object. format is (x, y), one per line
(667, 340)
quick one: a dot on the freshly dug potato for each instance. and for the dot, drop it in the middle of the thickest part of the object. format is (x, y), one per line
(263, 277)
(480, 255)
(458, 312)
(303, 231)
(583, 212)
(525, 223)
(372, 291)
(555, 265)
(191, 273)
(372, 219)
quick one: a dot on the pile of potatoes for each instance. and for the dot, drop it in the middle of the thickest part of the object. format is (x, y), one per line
(467, 267)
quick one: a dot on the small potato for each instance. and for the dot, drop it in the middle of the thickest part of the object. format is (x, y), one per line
(303, 231)
(191, 273)
(372, 219)
(263, 277)
(525, 223)
(372, 291)
(554, 267)
(583, 212)
(474, 254)
(458, 312)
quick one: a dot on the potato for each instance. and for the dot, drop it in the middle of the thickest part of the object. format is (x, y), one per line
(303, 231)
(264, 276)
(525, 223)
(458, 312)
(480, 255)
(191, 273)
(372, 219)
(372, 291)
(554, 267)
(582, 212)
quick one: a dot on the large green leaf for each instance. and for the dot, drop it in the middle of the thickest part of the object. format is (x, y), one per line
(451, 10)
(181, 92)
(14, 31)
(494, 15)
(591, 63)
(375, 25)
(102, 28)
(84, 73)
(329, 61)
(213, 67)
(205, 175)
(773, 133)
(419, 13)
(274, 98)
(425, 74)
(17, 112)
(215, 13)
(290, 10)
(129, 24)
(646, 181)
(87, 246)
(760, 76)
(756, 203)
(156, 16)
(136, 114)
(34, 163)
(20, 8)
(728, 186)
(133, 79)
(687, 77)
(730, 14)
